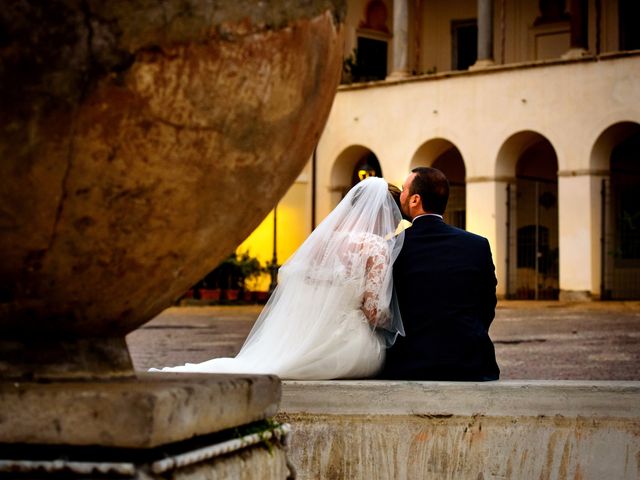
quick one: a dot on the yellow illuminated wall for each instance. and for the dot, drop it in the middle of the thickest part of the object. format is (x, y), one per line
(294, 225)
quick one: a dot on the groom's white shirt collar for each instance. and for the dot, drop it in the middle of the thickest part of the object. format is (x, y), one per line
(426, 214)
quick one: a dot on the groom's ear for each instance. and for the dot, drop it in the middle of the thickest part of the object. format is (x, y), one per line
(415, 201)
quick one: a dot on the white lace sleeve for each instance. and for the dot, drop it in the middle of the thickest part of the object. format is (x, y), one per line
(377, 268)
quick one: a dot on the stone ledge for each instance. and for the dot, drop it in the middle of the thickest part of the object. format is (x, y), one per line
(501, 398)
(496, 68)
(152, 410)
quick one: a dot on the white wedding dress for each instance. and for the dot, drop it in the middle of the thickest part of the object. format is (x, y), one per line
(333, 313)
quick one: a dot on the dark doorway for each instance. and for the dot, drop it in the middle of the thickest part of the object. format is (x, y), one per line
(464, 43)
(371, 60)
(621, 207)
(452, 165)
(533, 266)
(628, 16)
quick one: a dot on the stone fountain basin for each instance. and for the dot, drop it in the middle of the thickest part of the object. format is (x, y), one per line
(140, 142)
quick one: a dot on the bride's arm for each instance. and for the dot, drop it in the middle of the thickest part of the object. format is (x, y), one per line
(376, 270)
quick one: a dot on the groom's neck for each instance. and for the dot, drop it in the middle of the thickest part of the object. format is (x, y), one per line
(417, 213)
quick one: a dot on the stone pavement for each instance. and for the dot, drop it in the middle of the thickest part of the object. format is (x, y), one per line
(534, 340)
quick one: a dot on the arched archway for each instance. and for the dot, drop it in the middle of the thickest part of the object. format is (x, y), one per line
(616, 154)
(354, 163)
(532, 257)
(444, 155)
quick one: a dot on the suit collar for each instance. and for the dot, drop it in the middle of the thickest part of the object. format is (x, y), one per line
(428, 218)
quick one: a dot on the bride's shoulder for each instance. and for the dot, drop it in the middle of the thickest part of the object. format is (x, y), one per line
(367, 240)
(366, 237)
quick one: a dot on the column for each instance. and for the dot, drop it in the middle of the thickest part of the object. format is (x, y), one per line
(487, 216)
(400, 39)
(579, 29)
(579, 232)
(485, 35)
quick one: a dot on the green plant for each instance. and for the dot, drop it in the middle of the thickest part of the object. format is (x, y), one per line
(249, 266)
(264, 429)
(232, 272)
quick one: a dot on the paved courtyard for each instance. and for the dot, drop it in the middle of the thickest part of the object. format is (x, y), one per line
(534, 340)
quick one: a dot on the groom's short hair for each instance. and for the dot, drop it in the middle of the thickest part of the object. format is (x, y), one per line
(433, 188)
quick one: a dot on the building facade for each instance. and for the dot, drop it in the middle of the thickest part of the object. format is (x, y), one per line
(532, 110)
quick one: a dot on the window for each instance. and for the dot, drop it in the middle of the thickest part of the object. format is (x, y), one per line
(629, 12)
(371, 60)
(464, 43)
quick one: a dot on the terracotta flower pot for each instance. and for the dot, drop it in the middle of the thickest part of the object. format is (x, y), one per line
(247, 296)
(261, 297)
(210, 293)
(231, 294)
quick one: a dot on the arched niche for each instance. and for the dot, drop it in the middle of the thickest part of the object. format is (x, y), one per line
(348, 169)
(530, 164)
(611, 137)
(616, 156)
(515, 147)
(445, 156)
(376, 16)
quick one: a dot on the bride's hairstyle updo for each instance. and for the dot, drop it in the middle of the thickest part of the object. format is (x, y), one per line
(358, 189)
(393, 191)
(395, 194)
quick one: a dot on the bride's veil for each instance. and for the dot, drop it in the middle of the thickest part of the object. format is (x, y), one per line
(344, 266)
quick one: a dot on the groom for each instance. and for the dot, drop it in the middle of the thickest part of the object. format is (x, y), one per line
(446, 287)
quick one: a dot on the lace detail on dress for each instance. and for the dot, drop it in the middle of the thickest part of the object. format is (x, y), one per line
(377, 268)
(363, 262)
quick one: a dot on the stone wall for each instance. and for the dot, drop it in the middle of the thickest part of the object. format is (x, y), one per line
(509, 429)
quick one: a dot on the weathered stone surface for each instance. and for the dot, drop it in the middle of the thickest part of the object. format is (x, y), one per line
(153, 410)
(40, 358)
(263, 462)
(141, 142)
(255, 463)
(514, 398)
(518, 430)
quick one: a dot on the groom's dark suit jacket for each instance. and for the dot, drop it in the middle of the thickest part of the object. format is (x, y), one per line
(446, 286)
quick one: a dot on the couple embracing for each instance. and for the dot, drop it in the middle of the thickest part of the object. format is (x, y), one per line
(361, 298)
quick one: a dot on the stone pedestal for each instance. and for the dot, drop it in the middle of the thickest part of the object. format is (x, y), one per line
(132, 135)
(168, 424)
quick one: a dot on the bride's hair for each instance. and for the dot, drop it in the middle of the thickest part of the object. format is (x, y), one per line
(395, 194)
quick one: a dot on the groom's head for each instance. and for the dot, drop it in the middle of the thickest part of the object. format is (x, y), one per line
(426, 190)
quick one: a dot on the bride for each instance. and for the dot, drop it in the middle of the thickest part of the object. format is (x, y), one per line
(333, 313)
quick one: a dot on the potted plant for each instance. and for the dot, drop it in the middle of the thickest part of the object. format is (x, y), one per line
(250, 269)
(272, 270)
(230, 277)
(210, 286)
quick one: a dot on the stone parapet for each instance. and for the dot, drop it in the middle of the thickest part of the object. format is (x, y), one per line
(152, 410)
(508, 429)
